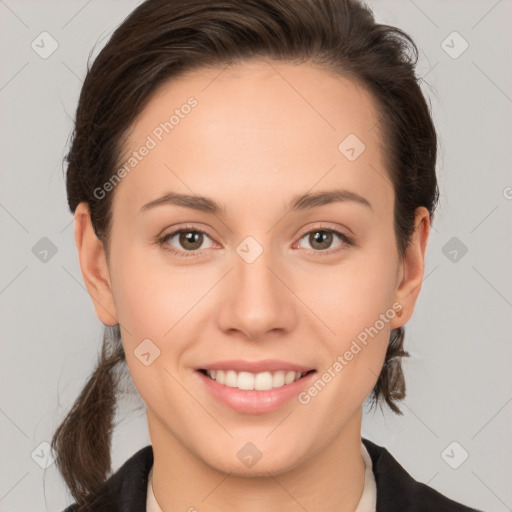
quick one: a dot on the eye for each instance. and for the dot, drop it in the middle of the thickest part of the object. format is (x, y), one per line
(321, 239)
(190, 239)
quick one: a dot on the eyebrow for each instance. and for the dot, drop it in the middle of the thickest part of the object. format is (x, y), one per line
(301, 202)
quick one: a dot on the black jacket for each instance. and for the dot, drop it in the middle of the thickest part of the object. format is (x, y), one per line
(397, 491)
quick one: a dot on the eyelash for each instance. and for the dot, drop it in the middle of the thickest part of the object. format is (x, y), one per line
(346, 241)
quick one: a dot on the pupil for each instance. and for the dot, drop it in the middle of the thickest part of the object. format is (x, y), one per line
(321, 237)
(190, 237)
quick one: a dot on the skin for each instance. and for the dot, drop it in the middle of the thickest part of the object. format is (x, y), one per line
(262, 133)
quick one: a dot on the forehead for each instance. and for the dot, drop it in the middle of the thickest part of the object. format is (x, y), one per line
(269, 96)
(256, 125)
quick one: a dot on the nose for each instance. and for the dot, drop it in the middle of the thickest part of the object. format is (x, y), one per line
(257, 301)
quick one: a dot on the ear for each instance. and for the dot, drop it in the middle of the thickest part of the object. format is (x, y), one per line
(411, 269)
(93, 263)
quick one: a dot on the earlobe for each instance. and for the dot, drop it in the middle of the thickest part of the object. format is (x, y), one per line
(412, 268)
(93, 263)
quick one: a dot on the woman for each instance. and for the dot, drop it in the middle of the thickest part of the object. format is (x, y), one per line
(253, 185)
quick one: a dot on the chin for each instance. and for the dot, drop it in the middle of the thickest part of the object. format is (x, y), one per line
(249, 461)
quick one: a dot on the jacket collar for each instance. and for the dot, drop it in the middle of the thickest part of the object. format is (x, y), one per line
(398, 491)
(126, 489)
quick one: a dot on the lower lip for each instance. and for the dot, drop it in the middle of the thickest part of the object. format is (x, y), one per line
(252, 401)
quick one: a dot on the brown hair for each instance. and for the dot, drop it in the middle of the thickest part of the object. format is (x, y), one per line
(161, 39)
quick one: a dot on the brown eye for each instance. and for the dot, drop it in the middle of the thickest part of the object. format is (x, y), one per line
(321, 240)
(185, 241)
(190, 240)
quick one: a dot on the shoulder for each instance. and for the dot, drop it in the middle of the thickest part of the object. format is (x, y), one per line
(397, 490)
(126, 489)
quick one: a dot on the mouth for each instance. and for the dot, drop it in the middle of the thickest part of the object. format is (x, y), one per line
(248, 381)
(255, 387)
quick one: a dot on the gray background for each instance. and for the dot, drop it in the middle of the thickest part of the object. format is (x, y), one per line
(459, 385)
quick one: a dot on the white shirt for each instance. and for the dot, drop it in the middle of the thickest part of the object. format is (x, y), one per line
(367, 502)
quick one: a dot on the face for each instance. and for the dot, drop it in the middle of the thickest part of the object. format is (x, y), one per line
(288, 266)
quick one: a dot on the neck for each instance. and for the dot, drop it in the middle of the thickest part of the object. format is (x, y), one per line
(330, 480)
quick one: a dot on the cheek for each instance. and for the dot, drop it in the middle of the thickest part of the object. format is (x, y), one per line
(150, 305)
(353, 295)
(356, 302)
(358, 313)
(147, 300)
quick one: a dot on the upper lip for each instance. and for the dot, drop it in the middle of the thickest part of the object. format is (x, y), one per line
(266, 365)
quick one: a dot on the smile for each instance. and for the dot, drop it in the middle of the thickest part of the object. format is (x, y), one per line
(263, 381)
(259, 391)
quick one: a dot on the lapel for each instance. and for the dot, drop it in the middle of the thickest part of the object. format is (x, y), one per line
(397, 491)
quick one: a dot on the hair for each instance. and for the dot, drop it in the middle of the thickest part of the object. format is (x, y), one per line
(162, 39)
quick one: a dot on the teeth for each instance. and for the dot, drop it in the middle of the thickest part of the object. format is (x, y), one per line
(259, 381)
(231, 379)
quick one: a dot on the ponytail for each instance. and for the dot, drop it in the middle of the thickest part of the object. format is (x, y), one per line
(82, 441)
(391, 382)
